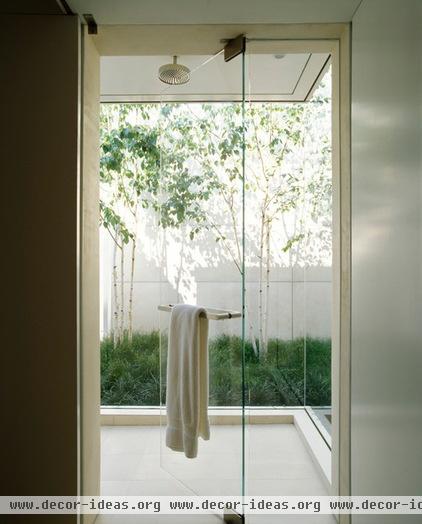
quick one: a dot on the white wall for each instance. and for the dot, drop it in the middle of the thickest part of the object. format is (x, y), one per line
(386, 251)
(300, 299)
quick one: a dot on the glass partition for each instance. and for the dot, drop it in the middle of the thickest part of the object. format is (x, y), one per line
(245, 225)
(225, 201)
(318, 256)
(288, 258)
(201, 243)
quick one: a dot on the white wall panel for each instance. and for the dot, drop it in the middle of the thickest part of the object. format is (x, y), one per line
(386, 252)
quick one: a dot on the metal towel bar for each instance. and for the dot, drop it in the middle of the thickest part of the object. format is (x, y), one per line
(211, 313)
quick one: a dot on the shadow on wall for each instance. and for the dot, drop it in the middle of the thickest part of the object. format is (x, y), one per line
(299, 298)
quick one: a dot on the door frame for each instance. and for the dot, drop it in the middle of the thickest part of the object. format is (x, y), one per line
(206, 39)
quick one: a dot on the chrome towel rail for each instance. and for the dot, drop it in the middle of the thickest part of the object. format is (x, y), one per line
(211, 313)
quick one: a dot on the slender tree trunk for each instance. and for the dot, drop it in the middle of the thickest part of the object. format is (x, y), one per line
(291, 267)
(267, 282)
(181, 263)
(238, 264)
(132, 271)
(122, 289)
(261, 280)
(239, 255)
(132, 274)
(115, 298)
(251, 329)
(261, 240)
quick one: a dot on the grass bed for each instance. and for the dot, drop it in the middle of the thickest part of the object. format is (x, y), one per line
(130, 372)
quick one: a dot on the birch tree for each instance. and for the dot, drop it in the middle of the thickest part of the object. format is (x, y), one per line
(273, 131)
(184, 162)
(120, 235)
(145, 165)
(130, 165)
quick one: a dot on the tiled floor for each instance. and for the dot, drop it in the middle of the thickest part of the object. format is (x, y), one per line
(135, 462)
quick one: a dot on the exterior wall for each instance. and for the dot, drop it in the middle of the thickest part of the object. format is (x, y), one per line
(386, 423)
(300, 299)
(40, 90)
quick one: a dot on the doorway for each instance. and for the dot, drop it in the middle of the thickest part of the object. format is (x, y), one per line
(255, 257)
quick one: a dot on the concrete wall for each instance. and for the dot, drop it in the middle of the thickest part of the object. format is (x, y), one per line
(38, 385)
(386, 340)
(300, 298)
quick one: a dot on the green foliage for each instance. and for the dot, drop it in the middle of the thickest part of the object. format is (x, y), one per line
(174, 157)
(183, 161)
(129, 169)
(130, 372)
(114, 223)
(150, 164)
(186, 181)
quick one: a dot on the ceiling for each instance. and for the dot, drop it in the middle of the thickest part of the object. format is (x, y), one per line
(128, 12)
(276, 77)
(133, 46)
(190, 27)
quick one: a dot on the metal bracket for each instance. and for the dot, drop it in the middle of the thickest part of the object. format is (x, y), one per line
(234, 47)
(91, 23)
(231, 517)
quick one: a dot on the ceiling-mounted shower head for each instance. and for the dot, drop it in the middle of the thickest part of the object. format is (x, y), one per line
(174, 74)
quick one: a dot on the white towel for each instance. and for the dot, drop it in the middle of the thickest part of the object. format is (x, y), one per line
(187, 379)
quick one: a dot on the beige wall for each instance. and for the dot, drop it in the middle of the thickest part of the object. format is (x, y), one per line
(90, 355)
(386, 434)
(39, 166)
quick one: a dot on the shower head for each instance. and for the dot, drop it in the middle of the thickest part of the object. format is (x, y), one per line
(174, 74)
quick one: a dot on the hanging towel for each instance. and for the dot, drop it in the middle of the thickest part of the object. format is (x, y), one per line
(187, 379)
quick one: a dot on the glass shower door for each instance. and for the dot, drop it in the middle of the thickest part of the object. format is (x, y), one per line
(244, 200)
(288, 235)
(200, 198)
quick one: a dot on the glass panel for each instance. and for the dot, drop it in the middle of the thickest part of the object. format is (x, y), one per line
(200, 229)
(288, 233)
(318, 257)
